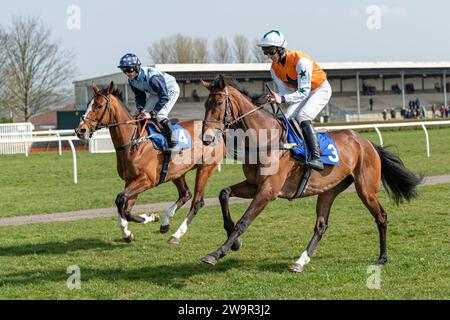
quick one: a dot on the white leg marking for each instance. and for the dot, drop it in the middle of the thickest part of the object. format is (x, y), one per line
(148, 218)
(123, 224)
(169, 214)
(303, 260)
(181, 230)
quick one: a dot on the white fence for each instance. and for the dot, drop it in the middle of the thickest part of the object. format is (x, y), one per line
(19, 131)
(101, 142)
(25, 138)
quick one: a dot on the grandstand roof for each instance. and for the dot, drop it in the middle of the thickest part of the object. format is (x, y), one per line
(340, 68)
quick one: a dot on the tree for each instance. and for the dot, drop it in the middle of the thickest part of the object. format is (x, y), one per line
(222, 50)
(36, 74)
(258, 54)
(160, 52)
(241, 53)
(200, 50)
(182, 49)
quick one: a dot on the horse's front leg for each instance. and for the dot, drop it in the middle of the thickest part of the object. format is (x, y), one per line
(202, 177)
(242, 190)
(125, 202)
(265, 194)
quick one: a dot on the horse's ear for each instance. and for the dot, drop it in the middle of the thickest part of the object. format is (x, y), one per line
(111, 87)
(206, 84)
(222, 82)
(94, 87)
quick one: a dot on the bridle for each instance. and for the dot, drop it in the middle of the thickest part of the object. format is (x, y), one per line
(99, 124)
(226, 122)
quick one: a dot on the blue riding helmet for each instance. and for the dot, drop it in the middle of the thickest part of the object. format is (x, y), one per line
(129, 60)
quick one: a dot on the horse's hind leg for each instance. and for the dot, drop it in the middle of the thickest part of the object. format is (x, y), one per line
(323, 207)
(184, 195)
(241, 190)
(201, 179)
(368, 195)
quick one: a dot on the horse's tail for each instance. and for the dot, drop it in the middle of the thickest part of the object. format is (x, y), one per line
(400, 183)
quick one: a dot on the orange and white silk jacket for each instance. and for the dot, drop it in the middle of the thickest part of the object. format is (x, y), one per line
(297, 77)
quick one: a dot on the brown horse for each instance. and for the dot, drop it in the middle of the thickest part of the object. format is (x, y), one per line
(139, 164)
(361, 162)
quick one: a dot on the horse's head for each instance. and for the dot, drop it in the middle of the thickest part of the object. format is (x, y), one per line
(98, 113)
(218, 109)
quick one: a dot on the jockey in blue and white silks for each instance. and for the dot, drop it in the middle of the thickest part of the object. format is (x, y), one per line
(162, 90)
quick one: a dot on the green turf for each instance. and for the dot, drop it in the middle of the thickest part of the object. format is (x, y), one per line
(34, 258)
(42, 183)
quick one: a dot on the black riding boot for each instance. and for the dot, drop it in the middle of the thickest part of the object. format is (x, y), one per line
(313, 146)
(167, 130)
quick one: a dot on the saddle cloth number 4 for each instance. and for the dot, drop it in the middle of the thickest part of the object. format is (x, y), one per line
(182, 137)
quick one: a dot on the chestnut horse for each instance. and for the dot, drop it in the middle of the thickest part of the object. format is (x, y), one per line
(139, 164)
(361, 162)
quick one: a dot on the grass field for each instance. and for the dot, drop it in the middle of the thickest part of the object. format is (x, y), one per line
(34, 258)
(42, 183)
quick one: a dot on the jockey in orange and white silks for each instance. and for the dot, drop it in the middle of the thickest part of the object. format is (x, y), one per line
(302, 85)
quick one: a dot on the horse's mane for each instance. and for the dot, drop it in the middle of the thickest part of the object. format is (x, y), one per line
(256, 99)
(118, 94)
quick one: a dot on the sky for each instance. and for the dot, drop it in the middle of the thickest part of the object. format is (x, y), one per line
(99, 32)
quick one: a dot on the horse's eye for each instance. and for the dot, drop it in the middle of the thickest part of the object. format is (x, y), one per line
(99, 106)
(219, 103)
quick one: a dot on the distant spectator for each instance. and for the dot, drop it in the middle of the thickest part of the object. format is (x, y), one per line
(437, 87)
(403, 112)
(447, 111)
(370, 104)
(384, 114)
(442, 111)
(433, 111)
(195, 95)
(417, 103)
(423, 112)
(393, 113)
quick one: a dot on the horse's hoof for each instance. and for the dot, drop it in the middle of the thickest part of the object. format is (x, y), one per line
(296, 268)
(236, 245)
(381, 261)
(209, 259)
(164, 229)
(173, 240)
(129, 239)
(154, 217)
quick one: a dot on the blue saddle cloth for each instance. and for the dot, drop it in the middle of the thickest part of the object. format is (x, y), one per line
(160, 142)
(329, 153)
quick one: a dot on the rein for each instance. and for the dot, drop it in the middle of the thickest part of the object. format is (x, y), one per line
(226, 122)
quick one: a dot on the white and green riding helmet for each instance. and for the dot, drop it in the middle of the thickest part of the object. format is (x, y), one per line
(273, 38)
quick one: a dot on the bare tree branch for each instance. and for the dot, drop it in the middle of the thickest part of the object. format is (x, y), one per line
(222, 50)
(258, 54)
(37, 73)
(241, 52)
(160, 52)
(200, 50)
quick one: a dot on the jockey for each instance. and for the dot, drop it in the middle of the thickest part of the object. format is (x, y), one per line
(163, 93)
(302, 85)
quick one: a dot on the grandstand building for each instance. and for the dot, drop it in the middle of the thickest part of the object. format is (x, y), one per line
(361, 90)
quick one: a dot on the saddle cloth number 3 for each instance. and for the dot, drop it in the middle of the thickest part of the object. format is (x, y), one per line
(335, 156)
